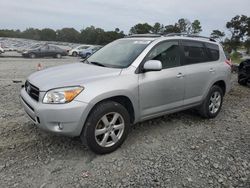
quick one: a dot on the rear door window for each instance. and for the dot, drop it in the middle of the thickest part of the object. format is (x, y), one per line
(194, 52)
(214, 53)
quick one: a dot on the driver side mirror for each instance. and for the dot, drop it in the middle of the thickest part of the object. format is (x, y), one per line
(152, 65)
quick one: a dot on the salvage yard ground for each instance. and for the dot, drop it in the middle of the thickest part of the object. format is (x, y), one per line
(178, 150)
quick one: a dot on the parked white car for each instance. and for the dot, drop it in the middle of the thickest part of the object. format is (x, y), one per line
(1, 50)
(75, 51)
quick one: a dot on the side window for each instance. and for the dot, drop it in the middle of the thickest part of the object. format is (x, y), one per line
(168, 53)
(83, 47)
(214, 53)
(52, 48)
(46, 47)
(194, 52)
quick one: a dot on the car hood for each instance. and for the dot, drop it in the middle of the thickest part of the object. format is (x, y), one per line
(70, 75)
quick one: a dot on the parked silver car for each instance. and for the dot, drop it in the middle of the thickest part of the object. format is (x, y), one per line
(75, 51)
(128, 81)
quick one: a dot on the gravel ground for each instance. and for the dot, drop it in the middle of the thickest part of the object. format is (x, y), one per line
(178, 150)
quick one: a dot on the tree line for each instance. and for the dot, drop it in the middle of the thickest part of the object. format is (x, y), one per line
(238, 27)
(89, 35)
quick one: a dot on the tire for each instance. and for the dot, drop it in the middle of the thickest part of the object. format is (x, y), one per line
(74, 54)
(32, 55)
(242, 79)
(58, 56)
(212, 104)
(100, 134)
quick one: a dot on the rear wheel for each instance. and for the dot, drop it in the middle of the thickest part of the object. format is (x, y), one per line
(211, 106)
(32, 55)
(106, 127)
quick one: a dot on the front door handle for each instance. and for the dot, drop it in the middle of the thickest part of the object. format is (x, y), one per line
(179, 75)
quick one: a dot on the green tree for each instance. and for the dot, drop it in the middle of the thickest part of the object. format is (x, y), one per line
(92, 35)
(141, 28)
(196, 27)
(68, 35)
(31, 33)
(157, 28)
(247, 45)
(48, 34)
(217, 34)
(239, 27)
(184, 25)
(10, 33)
(172, 29)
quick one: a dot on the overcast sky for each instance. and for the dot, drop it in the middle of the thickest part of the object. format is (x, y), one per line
(109, 14)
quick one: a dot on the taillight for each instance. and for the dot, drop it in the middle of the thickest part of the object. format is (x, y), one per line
(229, 62)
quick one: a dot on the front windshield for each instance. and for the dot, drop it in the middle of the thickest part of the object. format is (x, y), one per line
(120, 53)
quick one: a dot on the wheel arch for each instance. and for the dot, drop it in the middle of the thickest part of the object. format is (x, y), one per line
(123, 100)
(222, 85)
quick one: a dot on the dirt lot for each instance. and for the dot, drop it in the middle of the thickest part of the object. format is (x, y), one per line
(178, 150)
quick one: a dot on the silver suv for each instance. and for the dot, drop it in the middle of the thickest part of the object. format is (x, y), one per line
(128, 81)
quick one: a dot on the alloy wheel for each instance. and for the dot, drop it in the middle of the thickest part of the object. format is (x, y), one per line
(109, 129)
(215, 102)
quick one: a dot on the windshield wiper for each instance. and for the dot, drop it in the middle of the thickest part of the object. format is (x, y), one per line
(97, 63)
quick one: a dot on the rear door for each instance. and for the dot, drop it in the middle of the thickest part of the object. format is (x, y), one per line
(199, 68)
(163, 90)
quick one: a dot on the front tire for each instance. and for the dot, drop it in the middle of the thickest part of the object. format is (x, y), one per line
(58, 56)
(74, 54)
(106, 127)
(211, 106)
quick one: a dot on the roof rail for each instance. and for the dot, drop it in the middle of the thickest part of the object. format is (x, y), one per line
(149, 35)
(189, 35)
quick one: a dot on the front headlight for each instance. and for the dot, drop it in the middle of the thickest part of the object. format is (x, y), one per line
(61, 95)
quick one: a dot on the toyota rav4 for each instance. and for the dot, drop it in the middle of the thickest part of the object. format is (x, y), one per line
(128, 81)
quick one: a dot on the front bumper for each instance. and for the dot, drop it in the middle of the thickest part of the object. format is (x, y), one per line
(66, 119)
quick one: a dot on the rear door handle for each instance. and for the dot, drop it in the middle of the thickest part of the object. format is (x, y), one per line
(179, 75)
(211, 70)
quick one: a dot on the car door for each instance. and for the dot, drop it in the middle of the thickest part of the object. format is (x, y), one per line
(199, 70)
(44, 51)
(163, 90)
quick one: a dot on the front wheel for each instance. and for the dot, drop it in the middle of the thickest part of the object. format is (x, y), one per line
(106, 127)
(58, 56)
(211, 106)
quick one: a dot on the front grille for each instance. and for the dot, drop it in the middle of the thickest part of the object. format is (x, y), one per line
(32, 91)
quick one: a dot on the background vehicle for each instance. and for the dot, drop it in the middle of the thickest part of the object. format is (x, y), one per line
(75, 51)
(45, 51)
(128, 81)
(89, 51)
(244, 72)
(1, 50)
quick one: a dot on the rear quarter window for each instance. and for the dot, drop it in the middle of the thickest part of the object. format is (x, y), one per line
(214, 52)
(194, 52)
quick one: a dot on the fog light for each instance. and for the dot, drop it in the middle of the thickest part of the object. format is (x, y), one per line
(60, 126)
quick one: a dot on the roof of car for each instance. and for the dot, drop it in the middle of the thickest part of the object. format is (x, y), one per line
(182, 36)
